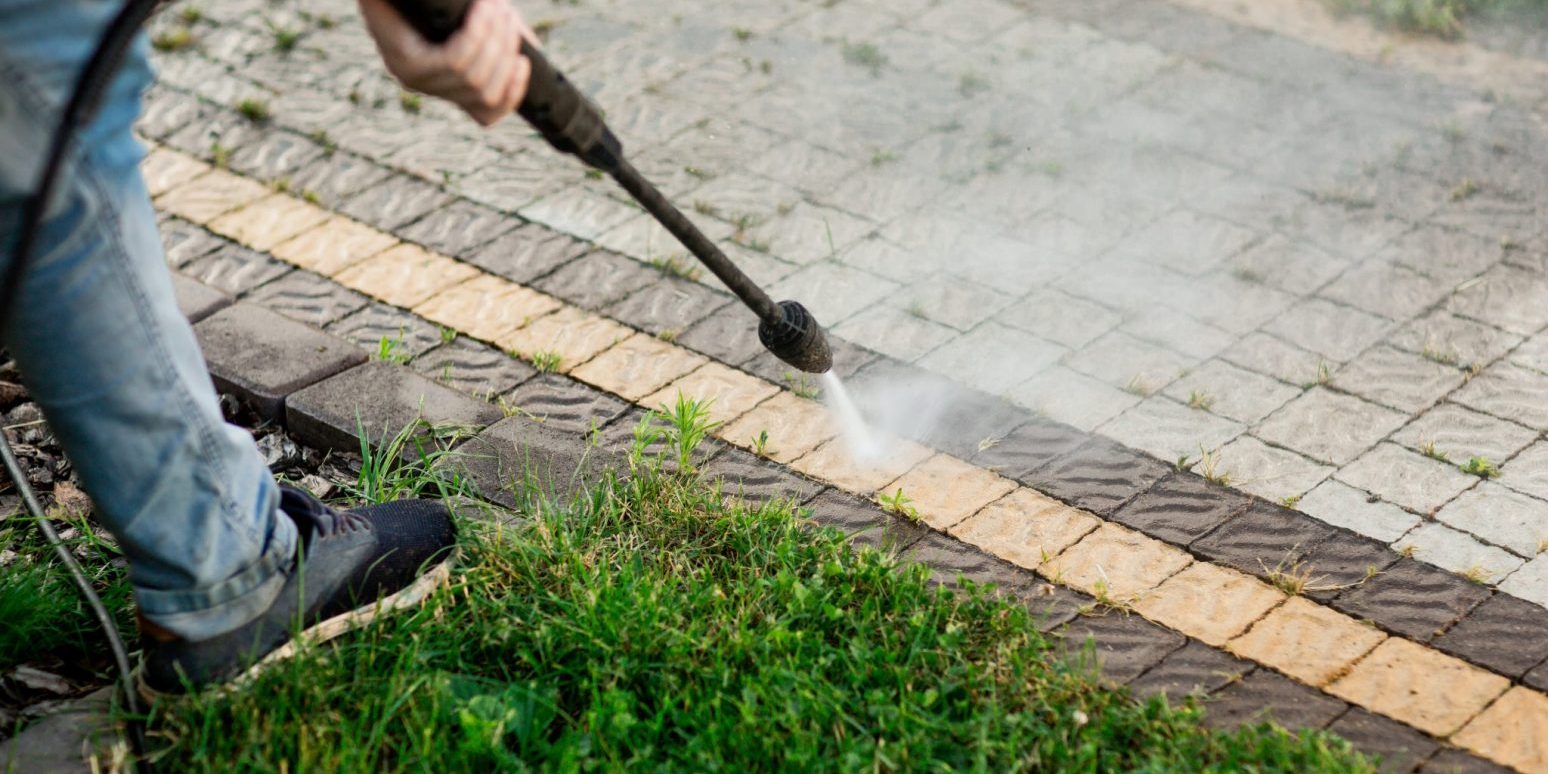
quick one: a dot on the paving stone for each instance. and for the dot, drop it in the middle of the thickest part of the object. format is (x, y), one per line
(1460, 434)
(394, 202)
(307, 298)
(184, 242)
(1508, 391)
(405, 276)
(1063, 395)
(234, 269)
(208, 196)
(1208, 602)
(1405, 477)
(1443, 252)
(1178, 332)
(1293, 266)
(197, 301)
(1449, 337)
(81, 736)
(1115, 563)
(335, 177)
(1098, 476)
(165, 169)
(265, 358)
(970, 422)
(565, 404)
(408, 335)
(579, 212)
(1504, 634)
(952, 562)
(864, 522)
(1341, 505)
(597, 279)
(1342, 561)
(1336, 332)
(457, 229)
(1430, 691)
(1413, 599)
(1398, 747)
(1506, 297)
(486, 307)
(1025, 528)
(667, 306)
(834, 292)
(1181, 508)
(1195, 669)
(1232, 392)
(945, 490)
(574, 337)
(794, 427)
(1274, 357)
(1329, 427)
(638, 366)
(992, 357)
(1265, 696)
(1528, 472)
(1381, 288)
(1060, 318)
(1015, 454)
(953, 302)
(517, 461)
(1126, 362)
(1307, 641)
(474, 368)
(1262, 540)
(1530, 582)
(1267, 471)
(862, 471)
(1170, 430)
(382, 399)
(895, 332)
(334, 246)
(1398, 379)
(725, 392)
(527, 253)
(1513, 731)
(276, 156)
(756, 481)
(1125, 646)
(1453, 761)
(1500, 516)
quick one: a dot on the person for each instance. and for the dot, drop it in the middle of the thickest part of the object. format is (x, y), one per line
(222, 560)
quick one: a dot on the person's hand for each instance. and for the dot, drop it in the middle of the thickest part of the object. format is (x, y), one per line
(480, 68)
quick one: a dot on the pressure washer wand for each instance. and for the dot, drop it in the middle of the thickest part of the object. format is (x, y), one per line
(572, 124)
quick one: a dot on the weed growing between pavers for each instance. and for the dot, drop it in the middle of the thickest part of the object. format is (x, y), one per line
(1442, 18)
(648, 624)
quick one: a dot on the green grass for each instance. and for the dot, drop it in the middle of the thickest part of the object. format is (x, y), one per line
(43, 612)
(1440, 18)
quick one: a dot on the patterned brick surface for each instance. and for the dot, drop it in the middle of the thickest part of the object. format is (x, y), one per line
(946, 490)
(1429, 691)
(1115, 563)
(1025, 528)
(1209, 602)
(1307, 641)
(1514, 731)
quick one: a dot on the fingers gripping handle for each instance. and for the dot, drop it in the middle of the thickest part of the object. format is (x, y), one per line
(552, 105)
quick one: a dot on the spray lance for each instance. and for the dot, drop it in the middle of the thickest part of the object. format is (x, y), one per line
(573, 125)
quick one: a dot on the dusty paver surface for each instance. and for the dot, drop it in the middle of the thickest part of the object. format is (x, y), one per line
(1312, 277)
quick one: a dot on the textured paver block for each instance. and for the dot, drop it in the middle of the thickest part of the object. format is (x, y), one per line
(1264, 695)
(838, 464)
(729, 393)
(263, 357)
(756, 481)
(165, 169)
(1426, 689)
(1307, 641)
(1401, 748)
(946, 490)
(863, 521)
(405, 275)
(334, 246)
(382, 399)
(795, 427)
(638, 366)
(1405, 477)
(486, 307)
(1342, 505)
(210, 195)
(1500, 516)
(1195, 669)
(269, 221)
(1505, 634)
(1181, 508)
(1328, 426)
(1514, 731)
(1026, 527)
(517, 458)
(1413, 599)
(571, 335)
(1209, 602)
(1125, 646)
(79, 737)
(1116, 562)
(197, 300)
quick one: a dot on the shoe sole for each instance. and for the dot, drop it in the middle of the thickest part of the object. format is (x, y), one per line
(409, 596)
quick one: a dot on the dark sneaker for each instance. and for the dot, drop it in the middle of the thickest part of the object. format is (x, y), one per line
(353, 566)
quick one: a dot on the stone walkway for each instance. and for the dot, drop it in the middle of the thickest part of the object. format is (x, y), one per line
(1312, 278)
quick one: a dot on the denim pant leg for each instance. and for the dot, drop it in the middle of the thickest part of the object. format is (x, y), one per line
(106, 353)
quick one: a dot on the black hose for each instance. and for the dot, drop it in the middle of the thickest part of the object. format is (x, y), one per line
(95, 78)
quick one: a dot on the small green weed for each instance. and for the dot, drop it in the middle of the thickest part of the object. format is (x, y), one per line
(1201, 400)
(284, 38)
(742, 34)
(688, 424)
(1481, 467)
(865, 55)
(676, 265)
(972, 84)
(407, 463)
(547, 361)
(191, 14)
(761, 444)
(1428, 449)
(410, 101)
(800, 384)
(392, 350)
(175, 39)
(220, 155)
(254, 109)
(448, 335)
(882, 157)
(899, 504)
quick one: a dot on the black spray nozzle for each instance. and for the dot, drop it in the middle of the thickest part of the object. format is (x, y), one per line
(797, 339)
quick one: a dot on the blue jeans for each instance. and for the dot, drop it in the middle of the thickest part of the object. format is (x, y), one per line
(106, 353)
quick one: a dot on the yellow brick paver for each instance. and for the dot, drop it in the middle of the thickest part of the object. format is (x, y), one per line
(1026, 527)
(1426, 689)
(406, 275)
(269, 221)
(211, 195)
(1209, 602)
(946, 490)
(638, 366)
(1116, 563)
(571, 335)
(730, 393)
(795, 427)
(1307, 641)
(334, 246)
(486, 307)
(1512, 732)
(165, 169)
(835, 463)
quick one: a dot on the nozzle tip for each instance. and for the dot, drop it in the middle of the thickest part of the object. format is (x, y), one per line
(797, 339)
